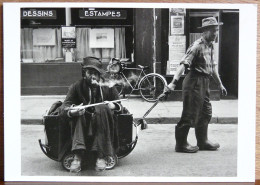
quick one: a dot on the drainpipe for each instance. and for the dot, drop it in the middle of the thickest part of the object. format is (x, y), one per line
(154, 41)
(68, 52)
(68, 16)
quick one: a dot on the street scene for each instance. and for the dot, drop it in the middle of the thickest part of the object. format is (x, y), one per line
(154, 154)
(142, 92)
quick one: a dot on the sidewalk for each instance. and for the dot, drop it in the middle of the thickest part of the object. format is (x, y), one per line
(224, 111)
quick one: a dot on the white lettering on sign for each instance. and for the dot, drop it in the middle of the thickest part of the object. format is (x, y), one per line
(102, 13)
(38, 13)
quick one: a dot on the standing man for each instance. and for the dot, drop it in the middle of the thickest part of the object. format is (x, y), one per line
(197, 111)
(95, 126)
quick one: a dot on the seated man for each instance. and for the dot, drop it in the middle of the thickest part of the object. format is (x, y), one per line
(98, 122)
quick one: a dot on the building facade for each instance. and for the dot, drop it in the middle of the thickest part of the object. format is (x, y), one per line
(54, 41)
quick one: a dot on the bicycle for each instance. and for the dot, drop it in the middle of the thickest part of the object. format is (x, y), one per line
(149, 85)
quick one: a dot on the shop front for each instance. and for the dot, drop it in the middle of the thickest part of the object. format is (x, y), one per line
(55, 41)
(177, 29)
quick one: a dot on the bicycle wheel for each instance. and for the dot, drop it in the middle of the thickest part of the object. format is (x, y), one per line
(151, 86)
(119, 82)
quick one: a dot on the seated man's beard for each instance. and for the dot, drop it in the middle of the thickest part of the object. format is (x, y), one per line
(94, 81)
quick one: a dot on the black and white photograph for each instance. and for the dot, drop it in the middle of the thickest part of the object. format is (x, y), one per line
(129, 92)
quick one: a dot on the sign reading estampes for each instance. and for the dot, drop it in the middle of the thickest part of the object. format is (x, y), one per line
(102, 14)
(38, 14)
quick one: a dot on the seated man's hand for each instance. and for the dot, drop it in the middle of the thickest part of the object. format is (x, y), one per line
(76, 112)
(110, 105)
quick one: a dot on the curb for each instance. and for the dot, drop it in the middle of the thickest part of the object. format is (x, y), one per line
(161, 120)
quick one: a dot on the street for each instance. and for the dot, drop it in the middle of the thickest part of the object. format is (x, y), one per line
(153, 155)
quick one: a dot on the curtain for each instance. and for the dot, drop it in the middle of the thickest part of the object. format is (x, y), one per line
(39, 53)
(83, 50)
(50, 53)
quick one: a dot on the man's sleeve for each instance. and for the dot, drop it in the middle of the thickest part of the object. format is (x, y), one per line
(114, 96)
(189, 56)
(70, 99)
(214, 63)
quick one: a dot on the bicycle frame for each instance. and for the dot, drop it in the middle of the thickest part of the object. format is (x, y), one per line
(135, 87)
(145, 83)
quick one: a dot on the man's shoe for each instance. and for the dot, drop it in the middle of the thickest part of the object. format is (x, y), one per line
(100, 165)
(186, 148)
(207, 145)
(202, 139)
(182, 145)
(75, 166)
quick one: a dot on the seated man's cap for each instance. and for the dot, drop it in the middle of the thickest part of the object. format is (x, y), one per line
(210, 21)
(92, 63)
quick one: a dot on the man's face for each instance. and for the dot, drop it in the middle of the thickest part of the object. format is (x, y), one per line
(92, 76)
(211, 33)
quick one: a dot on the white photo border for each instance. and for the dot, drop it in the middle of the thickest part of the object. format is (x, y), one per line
(246, 100)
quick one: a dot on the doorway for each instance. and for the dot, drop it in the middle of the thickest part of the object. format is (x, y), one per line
(228, 68)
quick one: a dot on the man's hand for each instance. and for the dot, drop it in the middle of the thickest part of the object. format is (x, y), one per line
(76, 112)
(162, 96)
(110, 105)
(169, 88)
(223, 90)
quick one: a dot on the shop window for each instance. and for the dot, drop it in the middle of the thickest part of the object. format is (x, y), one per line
(40, 45)
(42, 39)
(103, 21)
(100, 43)
(44, 45)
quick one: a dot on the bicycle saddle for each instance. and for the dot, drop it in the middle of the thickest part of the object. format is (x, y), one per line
(143, 67)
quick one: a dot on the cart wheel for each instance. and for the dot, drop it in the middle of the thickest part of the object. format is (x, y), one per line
(66, 161)
(111, 162)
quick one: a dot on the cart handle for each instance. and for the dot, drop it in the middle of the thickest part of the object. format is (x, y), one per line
(92, 105)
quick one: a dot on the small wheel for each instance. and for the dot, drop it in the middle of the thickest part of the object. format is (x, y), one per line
(151, 86)
(119, 82)
(111, 162)
(66, 161)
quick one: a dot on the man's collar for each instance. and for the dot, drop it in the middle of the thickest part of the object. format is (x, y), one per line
(210, 44)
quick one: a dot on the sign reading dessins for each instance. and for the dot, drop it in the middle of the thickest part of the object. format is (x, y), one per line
(38, 14)
(102, 14)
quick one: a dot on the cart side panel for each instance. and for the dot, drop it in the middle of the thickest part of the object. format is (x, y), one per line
(125, 132)
(58, 136)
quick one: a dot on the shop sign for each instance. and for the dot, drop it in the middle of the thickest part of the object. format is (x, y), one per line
(177, 47)
(38, 14)
(68, 37)
(102, 14)
(172, 67)
(177, 11)
(177, 25)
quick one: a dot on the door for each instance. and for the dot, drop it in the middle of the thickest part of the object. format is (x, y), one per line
(229, 52)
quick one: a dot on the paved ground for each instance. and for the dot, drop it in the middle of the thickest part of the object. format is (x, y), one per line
(153, 156)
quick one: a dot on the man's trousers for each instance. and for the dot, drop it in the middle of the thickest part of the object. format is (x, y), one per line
(197, 110)
(99, 129)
